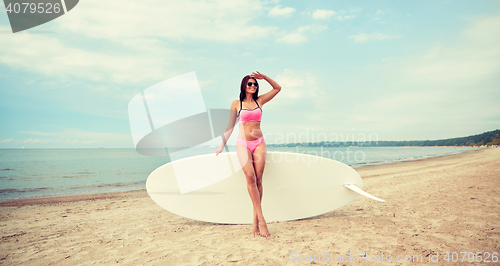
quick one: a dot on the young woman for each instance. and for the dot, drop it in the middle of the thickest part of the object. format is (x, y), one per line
(250, 145)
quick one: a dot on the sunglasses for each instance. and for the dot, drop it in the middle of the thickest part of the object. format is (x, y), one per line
(249, 84)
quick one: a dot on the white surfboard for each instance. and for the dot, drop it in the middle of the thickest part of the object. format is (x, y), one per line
(295, 186)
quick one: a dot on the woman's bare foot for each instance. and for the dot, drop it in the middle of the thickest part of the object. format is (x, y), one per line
(255, 225)
(255, 228)
(264, 232)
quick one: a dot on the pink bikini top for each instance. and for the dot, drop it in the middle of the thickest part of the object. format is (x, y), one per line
(247, 115)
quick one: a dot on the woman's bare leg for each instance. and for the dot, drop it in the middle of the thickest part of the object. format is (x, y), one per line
(245, 158)
(259, 162)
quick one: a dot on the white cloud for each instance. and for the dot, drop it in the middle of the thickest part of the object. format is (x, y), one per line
(484, 31)
(447, 85)
(277, 11)
(224, 21)
(323, 14)
(294, 37)
(31, 140)
(475, 60)
(50, 56)
(355, 9)
(375, 36)
(136, 34)
(267, 60)
(38, 133)
(313, 28)
(7, 140)
(345, 17)
(298, 35)
(378, 15)
(302, 98)
(298, 84)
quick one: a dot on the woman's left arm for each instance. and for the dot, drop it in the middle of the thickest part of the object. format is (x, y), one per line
(264, 98)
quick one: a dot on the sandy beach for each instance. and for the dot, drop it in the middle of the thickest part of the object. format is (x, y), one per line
(434, 206)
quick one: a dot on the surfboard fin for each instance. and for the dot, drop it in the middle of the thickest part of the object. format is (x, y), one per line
(356, 189)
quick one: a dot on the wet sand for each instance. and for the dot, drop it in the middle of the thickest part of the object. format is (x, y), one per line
(434, 206)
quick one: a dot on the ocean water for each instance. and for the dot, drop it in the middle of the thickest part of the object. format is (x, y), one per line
(30, 173)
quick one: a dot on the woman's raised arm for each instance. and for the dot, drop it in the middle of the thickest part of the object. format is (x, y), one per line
(264, 98)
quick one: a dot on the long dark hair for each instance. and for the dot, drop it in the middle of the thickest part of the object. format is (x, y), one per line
(243, 92)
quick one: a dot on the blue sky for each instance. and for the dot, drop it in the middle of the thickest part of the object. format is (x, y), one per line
(399, 70)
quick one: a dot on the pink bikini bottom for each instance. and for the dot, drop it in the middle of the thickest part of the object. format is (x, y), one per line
(252, 144)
